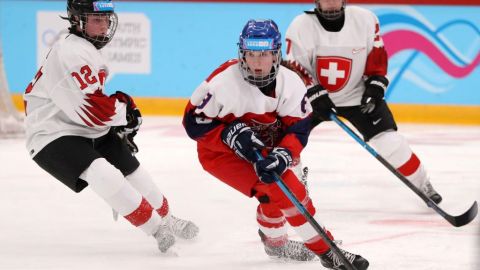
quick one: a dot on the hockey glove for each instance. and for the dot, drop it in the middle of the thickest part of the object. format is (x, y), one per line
(134, 117)
(276, 162)
(375, 88)
(322, 105)
(127, 138)
(242, 140)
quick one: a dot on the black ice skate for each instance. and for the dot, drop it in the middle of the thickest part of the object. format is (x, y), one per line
(292, 250)
(431, 193)
(331, 261)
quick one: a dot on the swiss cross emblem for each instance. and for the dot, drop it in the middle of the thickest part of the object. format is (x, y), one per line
(333, 72)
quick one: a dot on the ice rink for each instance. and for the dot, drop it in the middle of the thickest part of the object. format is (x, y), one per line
(44, 225)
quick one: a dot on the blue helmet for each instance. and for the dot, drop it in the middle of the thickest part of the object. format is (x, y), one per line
(260, 35)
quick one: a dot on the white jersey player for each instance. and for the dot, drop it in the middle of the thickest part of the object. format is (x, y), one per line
(339, 53)
(253, 104)
(73, 128)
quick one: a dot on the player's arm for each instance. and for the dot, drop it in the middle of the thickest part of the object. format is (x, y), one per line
(203, 124)
(375, 73)
(295, 114)
(298, 60)
(200, 118)
(298, 55)
(79, 93)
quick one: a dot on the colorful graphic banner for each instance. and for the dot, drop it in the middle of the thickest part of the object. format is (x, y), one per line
(165, 49)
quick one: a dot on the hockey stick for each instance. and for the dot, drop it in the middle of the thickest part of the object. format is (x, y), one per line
(456, 221)
(310, 219)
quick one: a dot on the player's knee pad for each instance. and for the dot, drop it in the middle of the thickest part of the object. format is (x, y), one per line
(141, 180)
(393, 147)
(109, 183)
(103, 177)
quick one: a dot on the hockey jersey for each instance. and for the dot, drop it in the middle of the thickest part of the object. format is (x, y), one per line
(66, 96)
(339, 61)
(278, 120)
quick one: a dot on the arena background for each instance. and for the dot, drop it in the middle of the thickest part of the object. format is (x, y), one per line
(164, 49)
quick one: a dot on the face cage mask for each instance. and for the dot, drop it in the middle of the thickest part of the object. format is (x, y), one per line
(330, 15)
(100, 41)
(255, 80)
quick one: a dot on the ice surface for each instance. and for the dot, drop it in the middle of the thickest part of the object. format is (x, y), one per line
(44, 225)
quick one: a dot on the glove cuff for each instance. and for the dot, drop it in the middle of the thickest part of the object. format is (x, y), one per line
(379, 83)
(315, 92)
(230, 132)
(283, 154)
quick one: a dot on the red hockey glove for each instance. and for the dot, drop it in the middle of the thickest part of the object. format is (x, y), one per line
(134, 117)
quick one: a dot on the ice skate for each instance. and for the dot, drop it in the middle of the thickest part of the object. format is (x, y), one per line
(431, 193)
(292, 250)
(331, 261)
(164, 238)
(182, 228)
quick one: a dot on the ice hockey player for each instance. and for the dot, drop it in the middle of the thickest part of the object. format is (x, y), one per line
(339, 53)
(73, 127)
(253, 104)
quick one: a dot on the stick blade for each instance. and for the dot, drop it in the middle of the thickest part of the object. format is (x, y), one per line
(466, 217)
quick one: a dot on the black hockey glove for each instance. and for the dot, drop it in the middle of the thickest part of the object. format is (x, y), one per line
(375, 87)
(276, 162)
(242, 140)
(128, 139)
(322, 105)
(134, 117)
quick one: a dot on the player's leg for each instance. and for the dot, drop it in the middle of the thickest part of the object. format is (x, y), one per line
(117, 153)
(299, 222)
(141, 180)
(241, 176)
(274, 233)
(74, 162)
(379, 128)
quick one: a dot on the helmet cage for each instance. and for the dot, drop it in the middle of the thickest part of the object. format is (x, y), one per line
(260, 36)
(250, 77)
(79, 11)
(101, 40)
(330, 15)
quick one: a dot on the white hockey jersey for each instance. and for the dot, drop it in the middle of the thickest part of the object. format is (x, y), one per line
(279, 120)
(66, 96)
(339, 61)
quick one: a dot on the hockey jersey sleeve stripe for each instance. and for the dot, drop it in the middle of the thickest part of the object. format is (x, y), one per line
(93, 119)
(102, 106)
(196, 125)
(377, 62)
(84, 120)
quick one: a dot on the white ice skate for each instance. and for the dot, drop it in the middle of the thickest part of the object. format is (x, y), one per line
(291, 250)
(182, 228)
(164, 238)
